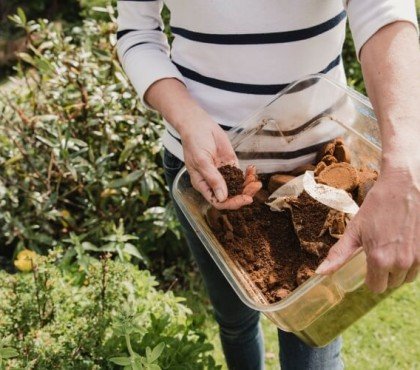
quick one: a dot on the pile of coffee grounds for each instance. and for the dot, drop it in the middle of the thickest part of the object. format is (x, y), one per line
(281, 250)
(265, 245)
(234, 178)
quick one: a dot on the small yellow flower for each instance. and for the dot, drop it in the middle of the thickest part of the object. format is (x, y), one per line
(25, 260)
(65, 214)
(108, 192)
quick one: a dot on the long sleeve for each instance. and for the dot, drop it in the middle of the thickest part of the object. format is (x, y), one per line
(366, 17)
(142, 46)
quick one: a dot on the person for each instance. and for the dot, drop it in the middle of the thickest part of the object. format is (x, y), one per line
(227, 59)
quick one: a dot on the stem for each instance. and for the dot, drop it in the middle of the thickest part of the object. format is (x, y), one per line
(103, 282)
(38, 300)
(128, 341)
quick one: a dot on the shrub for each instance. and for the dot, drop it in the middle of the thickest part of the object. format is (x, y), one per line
(352, 65)
(79, 155)
(50, 321)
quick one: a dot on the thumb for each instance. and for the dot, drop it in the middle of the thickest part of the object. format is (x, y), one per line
(340, 252)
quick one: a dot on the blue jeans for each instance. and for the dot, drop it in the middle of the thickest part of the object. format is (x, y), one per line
(240, 331)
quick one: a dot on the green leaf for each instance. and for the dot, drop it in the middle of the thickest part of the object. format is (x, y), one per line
(87, 246)
(46, 141)
(157, 351)
(100, 9)
(132, 250)
(124, 181)
(148, 353)
(153, 367)
(77, 142)
(43, 65)
(8, 352)
(26, 58)
(21, 15)
(122, 361)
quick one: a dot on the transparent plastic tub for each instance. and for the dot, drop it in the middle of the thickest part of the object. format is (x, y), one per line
(310, 112)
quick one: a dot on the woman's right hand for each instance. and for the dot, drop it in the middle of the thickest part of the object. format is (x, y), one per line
(207, 147)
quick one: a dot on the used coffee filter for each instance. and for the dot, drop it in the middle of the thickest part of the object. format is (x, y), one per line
(336, 199)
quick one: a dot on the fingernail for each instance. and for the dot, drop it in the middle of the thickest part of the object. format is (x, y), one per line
(219, 195)
(323, 267)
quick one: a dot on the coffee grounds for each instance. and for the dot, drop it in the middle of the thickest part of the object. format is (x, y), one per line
(265, 245)
(367, 179)
(278, 250)
(309, 216)
(234, 178)
(339, 175)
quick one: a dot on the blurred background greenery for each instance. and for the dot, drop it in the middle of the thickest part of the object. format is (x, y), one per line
(80, 175)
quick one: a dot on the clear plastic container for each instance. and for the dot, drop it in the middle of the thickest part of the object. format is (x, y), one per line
(310, 111)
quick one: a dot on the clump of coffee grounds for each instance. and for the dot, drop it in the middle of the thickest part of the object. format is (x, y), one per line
(309, 216)
(234, 178)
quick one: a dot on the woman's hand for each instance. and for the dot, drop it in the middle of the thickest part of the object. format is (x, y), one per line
(207, 147)
(387, 226)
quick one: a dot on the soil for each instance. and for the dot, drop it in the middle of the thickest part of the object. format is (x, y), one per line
(234, 178)
(281, 250)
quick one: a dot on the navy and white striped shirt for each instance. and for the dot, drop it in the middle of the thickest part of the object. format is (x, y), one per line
(235, 55)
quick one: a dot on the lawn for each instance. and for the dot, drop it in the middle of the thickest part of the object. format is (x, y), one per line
(386, 338)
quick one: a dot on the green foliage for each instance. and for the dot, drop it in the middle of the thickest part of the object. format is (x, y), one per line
(78, 153)
(51, 9)
(352, 65)
(49, 319)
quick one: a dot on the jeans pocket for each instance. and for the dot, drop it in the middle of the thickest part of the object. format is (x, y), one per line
(171, 164)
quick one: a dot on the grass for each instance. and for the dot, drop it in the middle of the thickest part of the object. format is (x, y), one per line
(386, 338)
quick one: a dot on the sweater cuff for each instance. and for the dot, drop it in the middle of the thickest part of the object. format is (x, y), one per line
(366, 17)
(144, 67)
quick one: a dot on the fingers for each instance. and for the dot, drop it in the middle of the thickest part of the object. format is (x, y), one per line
(396, 279)
(252, 188)
(214, 180)
(203, 169)
(251, 183)
(250, 175)
(210, 183)
(235, 202)
(377, 279)
(411, 274)
(340, 253)
(201, 185)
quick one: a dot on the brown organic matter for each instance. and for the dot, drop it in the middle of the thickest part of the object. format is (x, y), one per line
(281, 250)
(309, 218)
(265, 245)
(234, 178)
(339, 175)
(367, 179)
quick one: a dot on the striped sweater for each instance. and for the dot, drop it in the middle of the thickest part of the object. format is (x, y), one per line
(235, 55)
